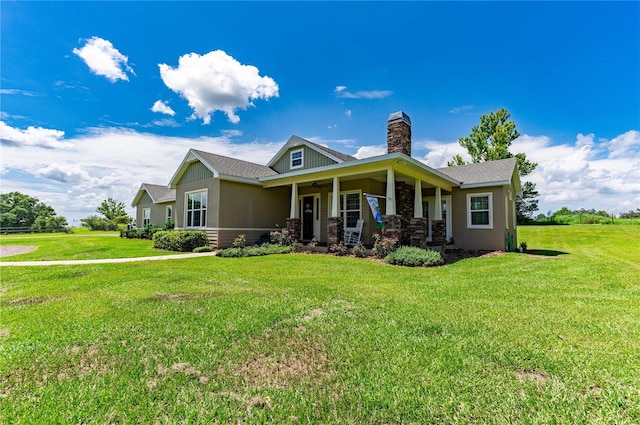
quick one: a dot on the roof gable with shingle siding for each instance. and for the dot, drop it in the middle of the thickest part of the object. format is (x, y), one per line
(154, 193)
(314, 155)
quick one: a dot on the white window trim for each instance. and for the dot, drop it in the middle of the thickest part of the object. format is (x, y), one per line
(448, 223)
(343, 213)
(294, 167)
(480, 226)
(186, 208)
(168, 216)
(144, 212)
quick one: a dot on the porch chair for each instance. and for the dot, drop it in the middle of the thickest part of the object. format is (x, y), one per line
(352, 234)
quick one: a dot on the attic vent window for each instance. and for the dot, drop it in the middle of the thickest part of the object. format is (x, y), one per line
(297, 159)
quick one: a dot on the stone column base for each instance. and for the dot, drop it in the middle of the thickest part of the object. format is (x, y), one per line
(418, 231)
(294, 226)
(438, 233)
(392, 226)
(335, 230)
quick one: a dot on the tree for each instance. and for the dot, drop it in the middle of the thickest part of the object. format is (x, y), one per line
(490, 141)
(20, 210)
(114, 211)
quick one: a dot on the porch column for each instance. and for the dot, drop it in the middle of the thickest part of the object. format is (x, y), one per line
(335, 198)
(293, 211)
(391, 192)
(418, 224)
(335, 227)
(293, 222)
(417, 199)
(438, 226)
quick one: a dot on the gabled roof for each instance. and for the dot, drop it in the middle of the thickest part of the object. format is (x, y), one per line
(158, 193)
(223, 167)
(481, 174)
(295, 141)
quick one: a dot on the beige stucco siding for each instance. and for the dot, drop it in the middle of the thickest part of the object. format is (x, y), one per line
(158, 211)
(480, 239)
(250, 209)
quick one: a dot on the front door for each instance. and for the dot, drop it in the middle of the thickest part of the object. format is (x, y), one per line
(310, 215)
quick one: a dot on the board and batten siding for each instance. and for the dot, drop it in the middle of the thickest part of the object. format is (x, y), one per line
(196, 171)
(311, 159)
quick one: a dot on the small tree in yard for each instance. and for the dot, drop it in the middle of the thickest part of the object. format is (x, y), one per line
(114, 214)
(490, 141)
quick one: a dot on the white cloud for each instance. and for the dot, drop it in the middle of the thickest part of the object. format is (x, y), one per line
(343, 93)
(32, 136)
(459, 109)
(586, 173)
(217, 82)
(17, 91)
(367, 151)
(104, 162)
(163, 108)
(348, 113)
(104, 59)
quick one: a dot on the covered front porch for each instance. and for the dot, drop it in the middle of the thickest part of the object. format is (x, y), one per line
(324, 202)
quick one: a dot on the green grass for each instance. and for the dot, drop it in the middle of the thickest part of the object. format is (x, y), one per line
(81, 246)
(514, 338)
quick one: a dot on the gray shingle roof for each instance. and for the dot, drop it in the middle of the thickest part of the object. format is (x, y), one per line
(340, 155)
(160, 193)
(235, 167)
(482, 172)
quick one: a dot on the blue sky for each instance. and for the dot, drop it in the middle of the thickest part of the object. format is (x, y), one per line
(99, 97)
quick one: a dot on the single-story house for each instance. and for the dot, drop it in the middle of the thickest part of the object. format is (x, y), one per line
(154, 204)
(317, 192)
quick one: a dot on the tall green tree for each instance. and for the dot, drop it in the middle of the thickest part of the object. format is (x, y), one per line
(490, 141)
(20, 210)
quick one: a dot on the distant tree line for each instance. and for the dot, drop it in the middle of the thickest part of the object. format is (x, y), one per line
(18, 210)
(112, 216)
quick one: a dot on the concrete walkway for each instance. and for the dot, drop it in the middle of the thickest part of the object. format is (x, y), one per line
(105, 260)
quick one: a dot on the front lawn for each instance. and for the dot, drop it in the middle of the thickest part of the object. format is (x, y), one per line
(82, 246)
(552, 337)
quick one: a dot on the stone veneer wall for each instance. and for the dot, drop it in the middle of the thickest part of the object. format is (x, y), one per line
(404, 208)
(392, 226)
(418, 231)
(399, 137)
(335, 231)
(294, 226)
(438, 233)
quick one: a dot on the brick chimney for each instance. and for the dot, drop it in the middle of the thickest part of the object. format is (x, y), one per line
(399, 133)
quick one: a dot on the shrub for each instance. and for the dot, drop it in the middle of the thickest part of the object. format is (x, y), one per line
(383, 246)
(240, 241)
(313, 244)
(94, 222)
(339, 249)
(254, 251)
(169, 225)
(411, 256)
(146, 233)
(359, 250)
(202, 249)
(281, 237)
(183, 241)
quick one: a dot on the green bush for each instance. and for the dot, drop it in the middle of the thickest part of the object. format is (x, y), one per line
(146, 233)
(383, 246)
(202, 249)
(411, 256)
(339, 249)
(182, 241)
(254, 251)
(359, 250)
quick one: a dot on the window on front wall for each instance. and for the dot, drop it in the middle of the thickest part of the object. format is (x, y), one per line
(146, 216)
(169, 212)
(297, 159)
(349, 208)
(479, 210)
(196, 209)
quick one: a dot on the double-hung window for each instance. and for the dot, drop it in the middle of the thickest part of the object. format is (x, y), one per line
(146, 217)
(479, 211)
(196, 209)
(296, 159)
(169, 212)
(349, 208)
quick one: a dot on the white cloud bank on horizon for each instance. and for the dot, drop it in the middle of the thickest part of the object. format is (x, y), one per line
(74, 175)
(104, 59)
(217, 82)
(162, 107)
(105, 162)
(342, 93)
